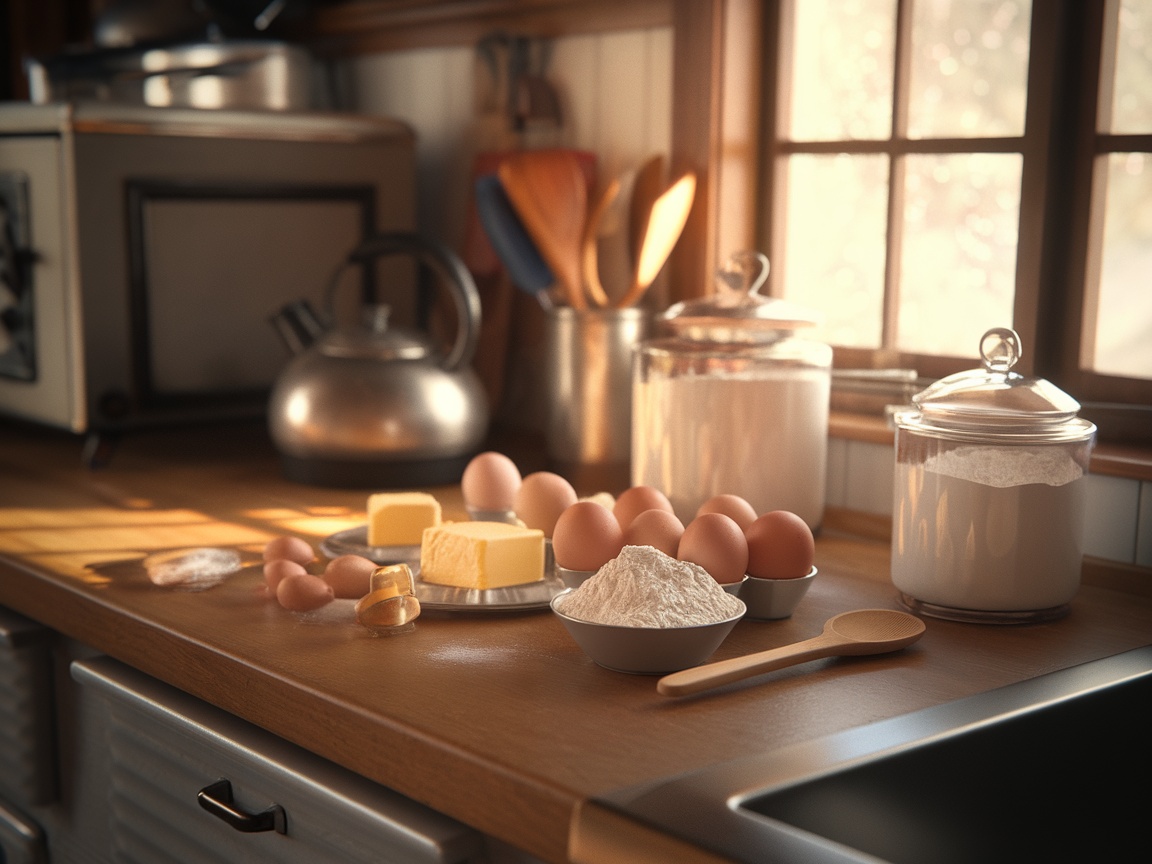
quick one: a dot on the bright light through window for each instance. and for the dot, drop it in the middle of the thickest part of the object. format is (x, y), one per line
(901, 168)
(940, 167)
(1118, 315)
(1123, 327)
(958, 258)
(841, 75)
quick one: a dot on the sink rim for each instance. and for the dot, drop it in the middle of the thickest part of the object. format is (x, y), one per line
(706, 807)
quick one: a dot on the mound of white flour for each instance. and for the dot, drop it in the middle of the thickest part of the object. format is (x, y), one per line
(643, 587)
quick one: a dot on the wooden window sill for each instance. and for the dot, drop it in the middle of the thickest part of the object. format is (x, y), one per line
(1133, 461)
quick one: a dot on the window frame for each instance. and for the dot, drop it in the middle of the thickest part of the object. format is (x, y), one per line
(1097, 22)
(1057, 255)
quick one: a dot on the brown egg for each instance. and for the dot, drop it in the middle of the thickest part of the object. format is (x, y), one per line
(740, 511)
(350, 576)
(303, 592)
(289, 548)
(716, 543)
(541, 498)
(490, 482)
(587, 537)
(656, 528)
(635, 500)
(780, 546)
(277, 569)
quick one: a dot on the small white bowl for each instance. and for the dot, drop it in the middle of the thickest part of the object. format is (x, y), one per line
(771, 599)
(573, 578)
(478, 515)
(733, 588)
(646, 650)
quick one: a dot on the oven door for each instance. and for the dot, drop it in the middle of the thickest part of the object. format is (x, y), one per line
(210, 264)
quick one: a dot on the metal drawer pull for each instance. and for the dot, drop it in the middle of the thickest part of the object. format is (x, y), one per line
(216, 798)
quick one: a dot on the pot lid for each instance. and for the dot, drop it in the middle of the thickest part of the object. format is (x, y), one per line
(736, 311)
(374, 340)
(996, 399)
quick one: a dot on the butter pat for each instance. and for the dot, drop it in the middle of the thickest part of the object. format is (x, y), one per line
(399, 518)
(482, 555)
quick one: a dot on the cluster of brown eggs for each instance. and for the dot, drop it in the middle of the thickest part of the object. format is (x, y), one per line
(726, 536)
(287, 578)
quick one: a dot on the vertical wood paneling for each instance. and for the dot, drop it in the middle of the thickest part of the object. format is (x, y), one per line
(575, 71)
(615, 89)
(658, 84)
(621, 100)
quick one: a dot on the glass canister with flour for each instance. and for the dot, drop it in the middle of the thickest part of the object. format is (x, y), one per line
(731, 398)
(988, 515)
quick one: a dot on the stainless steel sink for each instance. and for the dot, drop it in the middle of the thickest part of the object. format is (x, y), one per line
(1055, 768)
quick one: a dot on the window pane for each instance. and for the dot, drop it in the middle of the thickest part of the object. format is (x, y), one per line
(1132, 94)
(834, 251)
(958, 267)
(969, 73)
(1123, 336)
(842, 70)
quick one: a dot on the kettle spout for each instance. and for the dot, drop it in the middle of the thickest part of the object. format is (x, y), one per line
(297, 324)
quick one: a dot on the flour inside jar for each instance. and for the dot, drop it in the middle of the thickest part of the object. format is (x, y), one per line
(989, 528)
(643, 587)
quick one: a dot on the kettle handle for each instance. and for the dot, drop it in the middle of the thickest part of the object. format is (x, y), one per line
(448, 266)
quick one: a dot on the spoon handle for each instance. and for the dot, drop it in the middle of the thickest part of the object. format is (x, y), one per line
(737, 668)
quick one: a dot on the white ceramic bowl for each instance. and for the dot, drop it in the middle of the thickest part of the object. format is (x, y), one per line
(770, 599)
(734, 588)
(573, 578)
(646, 650)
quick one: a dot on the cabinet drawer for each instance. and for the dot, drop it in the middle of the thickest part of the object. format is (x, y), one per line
(167, 748)
(27, 731)
(21, 840)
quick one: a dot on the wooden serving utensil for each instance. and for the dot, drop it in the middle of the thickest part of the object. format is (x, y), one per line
(863, 631)
(647, 186)
(550, 194)
(590, 258)
(666, 220)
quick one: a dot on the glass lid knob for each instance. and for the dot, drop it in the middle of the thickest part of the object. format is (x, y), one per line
(745, 272)
(1000, 350)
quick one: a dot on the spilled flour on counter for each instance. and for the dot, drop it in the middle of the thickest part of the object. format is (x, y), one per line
(194, 569)
(643, 587)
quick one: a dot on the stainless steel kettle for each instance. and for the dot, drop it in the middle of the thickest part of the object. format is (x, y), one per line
(374, 406)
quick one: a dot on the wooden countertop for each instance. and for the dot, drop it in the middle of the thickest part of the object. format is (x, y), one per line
(498, 720)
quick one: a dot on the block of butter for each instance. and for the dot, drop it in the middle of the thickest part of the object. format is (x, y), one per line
(482, 555)
(399, 518)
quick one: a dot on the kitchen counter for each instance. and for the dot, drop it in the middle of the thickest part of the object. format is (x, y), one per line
(497, 720)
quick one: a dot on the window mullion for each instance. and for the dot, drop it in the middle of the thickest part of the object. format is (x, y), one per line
(901, 74)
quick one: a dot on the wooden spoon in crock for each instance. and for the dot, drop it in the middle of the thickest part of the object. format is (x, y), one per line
(550, 194)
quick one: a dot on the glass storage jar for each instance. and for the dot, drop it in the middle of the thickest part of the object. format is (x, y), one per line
(731, 399)
(988, 505)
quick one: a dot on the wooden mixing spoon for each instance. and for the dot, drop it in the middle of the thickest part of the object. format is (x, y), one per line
(863, 631)
(548, 190)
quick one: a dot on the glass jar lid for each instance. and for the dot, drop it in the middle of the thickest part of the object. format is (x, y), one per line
(995, 400)
(737, 312)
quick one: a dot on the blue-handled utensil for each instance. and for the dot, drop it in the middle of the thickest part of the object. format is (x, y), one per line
(515, 249)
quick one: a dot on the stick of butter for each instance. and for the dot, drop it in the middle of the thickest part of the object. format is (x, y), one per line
(399, 518)
(482, 555)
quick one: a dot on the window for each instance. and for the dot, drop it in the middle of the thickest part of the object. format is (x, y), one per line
(939, 167)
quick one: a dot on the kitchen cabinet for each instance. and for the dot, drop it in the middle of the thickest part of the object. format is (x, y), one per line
(151, 774)
(27, 753)
(188, 783)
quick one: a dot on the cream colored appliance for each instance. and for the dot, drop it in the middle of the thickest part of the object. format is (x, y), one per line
(142, 251)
